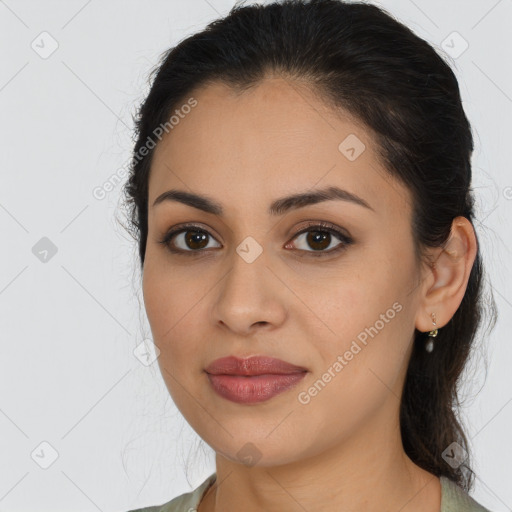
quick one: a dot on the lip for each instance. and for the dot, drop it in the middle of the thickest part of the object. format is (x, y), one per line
(255, 365)
(254, 379)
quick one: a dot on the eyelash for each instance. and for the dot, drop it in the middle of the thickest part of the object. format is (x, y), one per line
(323, 227)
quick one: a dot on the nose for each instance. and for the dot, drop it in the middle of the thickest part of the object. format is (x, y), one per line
(250, 297)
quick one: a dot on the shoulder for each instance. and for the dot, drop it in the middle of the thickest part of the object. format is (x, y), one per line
(186, 502)
(455, 499)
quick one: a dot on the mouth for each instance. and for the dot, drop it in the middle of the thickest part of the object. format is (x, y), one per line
(252, 380)
(252, 366)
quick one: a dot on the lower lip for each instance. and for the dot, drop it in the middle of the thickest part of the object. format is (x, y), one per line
(253, 389)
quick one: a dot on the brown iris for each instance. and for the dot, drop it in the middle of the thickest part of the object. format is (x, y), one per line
(318, 237)
(196, 239)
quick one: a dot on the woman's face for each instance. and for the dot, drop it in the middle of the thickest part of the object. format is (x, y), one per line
(341, 307)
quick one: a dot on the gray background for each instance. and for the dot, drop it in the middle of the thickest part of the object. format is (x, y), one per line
(69, 378)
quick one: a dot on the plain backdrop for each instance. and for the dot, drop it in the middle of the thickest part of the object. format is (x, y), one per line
(84, 424)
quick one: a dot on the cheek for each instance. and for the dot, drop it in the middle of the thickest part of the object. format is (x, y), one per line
(169, 298)
(157, 301)
(174, 309)
(360, 369)
(167, 315)
(368, 317)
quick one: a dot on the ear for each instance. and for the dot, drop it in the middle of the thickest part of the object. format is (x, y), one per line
(445, 282)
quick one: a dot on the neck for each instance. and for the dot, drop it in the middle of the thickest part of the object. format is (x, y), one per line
(370, 473)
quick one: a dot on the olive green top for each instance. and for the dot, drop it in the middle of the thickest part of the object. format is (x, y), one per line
(453, 499)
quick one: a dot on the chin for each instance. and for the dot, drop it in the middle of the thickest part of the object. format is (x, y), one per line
(255, 451)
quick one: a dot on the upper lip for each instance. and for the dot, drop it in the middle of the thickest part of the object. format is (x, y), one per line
(255, 365)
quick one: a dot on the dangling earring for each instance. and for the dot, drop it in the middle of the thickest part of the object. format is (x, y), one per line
(429, 345)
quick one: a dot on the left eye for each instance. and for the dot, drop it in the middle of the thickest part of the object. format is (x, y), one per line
(320, 240)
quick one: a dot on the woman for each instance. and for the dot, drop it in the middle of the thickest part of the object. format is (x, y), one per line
(300, 193)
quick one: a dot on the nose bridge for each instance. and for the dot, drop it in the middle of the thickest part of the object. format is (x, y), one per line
(248, 294)
(248, 268)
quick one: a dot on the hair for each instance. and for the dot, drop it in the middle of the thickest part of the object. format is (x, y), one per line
(359, 58)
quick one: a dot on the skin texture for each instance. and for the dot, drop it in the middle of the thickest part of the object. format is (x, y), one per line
(342, 450)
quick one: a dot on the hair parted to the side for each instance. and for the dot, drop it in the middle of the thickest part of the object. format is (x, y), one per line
(355, 56)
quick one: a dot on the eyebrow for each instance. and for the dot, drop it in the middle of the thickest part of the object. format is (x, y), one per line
(278, 207)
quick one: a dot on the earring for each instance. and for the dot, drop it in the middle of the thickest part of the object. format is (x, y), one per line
(429, 345)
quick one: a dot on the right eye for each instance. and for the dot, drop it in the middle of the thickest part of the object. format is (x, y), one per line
(191, 239)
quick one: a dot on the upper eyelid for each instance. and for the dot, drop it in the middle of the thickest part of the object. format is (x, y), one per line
(313, 224)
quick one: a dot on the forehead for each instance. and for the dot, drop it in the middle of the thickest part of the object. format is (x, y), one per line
(277, 137)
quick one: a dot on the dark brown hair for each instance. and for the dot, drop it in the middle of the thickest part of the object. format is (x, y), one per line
(358, 57)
